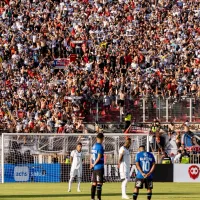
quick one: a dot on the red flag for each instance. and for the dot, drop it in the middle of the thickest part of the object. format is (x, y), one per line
(127, 130)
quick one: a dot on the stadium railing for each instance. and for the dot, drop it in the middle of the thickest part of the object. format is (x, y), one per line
(145, 109)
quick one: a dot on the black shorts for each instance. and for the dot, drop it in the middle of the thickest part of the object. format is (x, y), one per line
(98, 176)
(140, 182)
(121, 103)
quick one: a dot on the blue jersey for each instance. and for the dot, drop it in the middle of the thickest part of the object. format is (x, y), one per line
(145, 160)
(98, 149)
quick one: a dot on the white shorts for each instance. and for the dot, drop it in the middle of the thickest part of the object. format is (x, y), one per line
(125, 175)
(76, 172)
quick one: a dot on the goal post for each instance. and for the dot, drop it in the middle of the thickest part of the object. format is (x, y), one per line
(44, 157)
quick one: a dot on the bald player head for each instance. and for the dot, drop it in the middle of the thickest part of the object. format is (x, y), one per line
(127, 143)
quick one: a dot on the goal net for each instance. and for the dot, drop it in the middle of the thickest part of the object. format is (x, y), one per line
(45, 157)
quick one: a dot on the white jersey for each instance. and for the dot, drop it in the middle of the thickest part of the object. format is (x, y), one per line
(125, 163)
(77, 160)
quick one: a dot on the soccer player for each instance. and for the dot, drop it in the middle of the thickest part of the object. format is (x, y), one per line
(97, 164)
(145, 163)
(76, 166)
(124, 166)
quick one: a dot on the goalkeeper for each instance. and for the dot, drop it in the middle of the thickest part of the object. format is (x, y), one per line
(76, 158)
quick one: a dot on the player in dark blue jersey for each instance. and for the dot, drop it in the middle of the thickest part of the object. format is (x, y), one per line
(97, 164)
(145, 163)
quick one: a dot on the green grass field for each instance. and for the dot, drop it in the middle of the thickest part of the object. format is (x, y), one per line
(58, 191)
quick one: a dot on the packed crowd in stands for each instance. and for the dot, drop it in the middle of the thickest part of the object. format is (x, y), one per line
(123, 48)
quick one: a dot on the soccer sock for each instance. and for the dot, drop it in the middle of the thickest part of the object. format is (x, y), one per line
(124, 183)
(149, 196)
(135, 195)
(79, 183)
(99, 189)
(70, 182)
(93, 191)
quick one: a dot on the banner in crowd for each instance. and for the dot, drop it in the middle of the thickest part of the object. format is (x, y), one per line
(186, 173)
(193, 149)
(60, 63)
(32, 173)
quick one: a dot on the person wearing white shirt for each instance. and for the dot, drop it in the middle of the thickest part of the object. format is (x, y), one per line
(88, 66)
(177, 158)
(124, 166)
(15, 56)
(18, 127)
(76, 166)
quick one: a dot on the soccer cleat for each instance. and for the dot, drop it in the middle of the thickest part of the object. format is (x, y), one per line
(125, 197)
(78, 190)
(69, 190)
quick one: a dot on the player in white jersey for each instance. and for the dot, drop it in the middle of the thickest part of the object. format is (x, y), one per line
(76, 158)
(124, 166)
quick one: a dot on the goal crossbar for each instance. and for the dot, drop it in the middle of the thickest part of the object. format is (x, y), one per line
(77, 134)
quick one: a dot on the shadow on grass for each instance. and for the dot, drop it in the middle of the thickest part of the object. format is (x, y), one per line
(80, 194)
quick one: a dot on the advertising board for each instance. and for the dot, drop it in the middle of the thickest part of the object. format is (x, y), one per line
(32, 173)
(186, 173)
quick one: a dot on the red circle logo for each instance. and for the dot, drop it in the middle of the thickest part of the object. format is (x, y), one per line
(194, 171)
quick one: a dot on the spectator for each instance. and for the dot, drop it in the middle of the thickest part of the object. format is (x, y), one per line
(171, 130)
(178, 139)
(177, 158)
(127, 119)
(107, 103)
(186, 127)
(166, 159)
(152, 141)
(55, 158)
(159, 143)
(194, 142)
(155, 127)
(67, 159)
(185, 158)
(195, 146)
(172, 156)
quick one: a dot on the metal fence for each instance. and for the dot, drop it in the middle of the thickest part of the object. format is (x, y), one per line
(145, 109)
